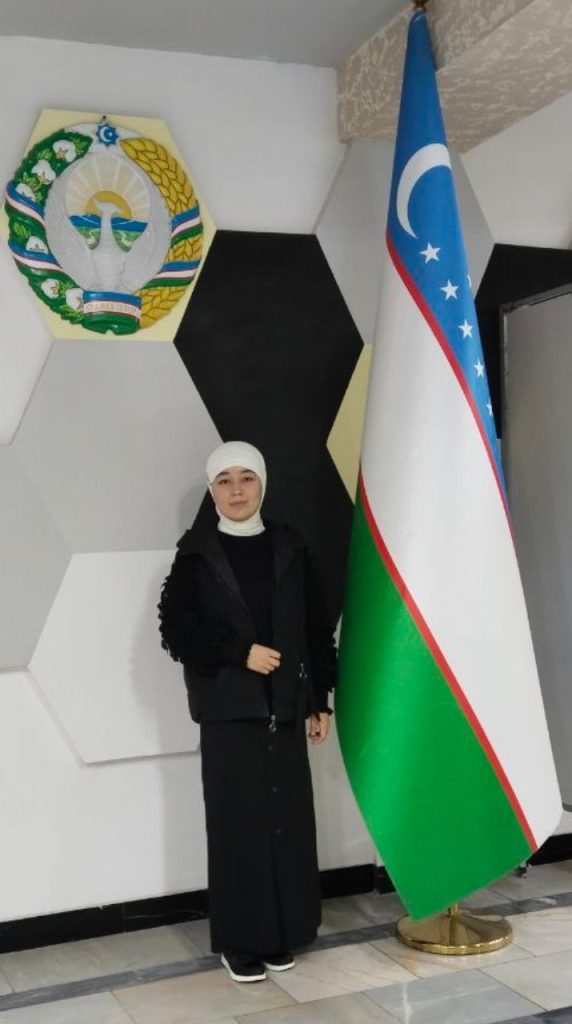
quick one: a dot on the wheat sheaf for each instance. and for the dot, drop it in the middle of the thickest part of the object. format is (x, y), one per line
(179, 195)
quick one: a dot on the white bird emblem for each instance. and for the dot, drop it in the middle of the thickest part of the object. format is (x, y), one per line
(107, 185)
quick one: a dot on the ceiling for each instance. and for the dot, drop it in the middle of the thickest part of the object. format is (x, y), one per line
(320, 32)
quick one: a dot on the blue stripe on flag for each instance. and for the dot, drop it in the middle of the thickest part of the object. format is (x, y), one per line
(424, 224)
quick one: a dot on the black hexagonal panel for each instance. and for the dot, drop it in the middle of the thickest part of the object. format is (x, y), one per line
(270, 344)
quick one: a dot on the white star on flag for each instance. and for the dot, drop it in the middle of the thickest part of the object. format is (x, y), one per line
(490, 408)
(466, 329)
(479, 368)
(450, 290)
(470, 282)
(430, 253)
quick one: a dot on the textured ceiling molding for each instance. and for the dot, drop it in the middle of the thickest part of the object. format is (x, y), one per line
(498, 61)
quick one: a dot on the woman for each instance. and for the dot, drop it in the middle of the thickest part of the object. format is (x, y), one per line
(241, 609)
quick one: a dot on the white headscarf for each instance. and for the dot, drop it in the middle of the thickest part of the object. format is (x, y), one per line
(238, 453)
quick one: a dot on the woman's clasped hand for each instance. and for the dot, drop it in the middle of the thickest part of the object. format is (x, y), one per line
(263, 659)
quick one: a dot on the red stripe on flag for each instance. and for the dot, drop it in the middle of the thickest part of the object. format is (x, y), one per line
(444, 667)
(443, 342)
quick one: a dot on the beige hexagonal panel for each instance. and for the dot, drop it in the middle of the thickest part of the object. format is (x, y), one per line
(344, 441)
(103, 220)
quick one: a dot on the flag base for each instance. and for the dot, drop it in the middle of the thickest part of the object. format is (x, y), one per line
(455, 933)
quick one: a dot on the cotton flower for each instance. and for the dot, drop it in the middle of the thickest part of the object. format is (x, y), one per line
(74, 298)
(25, 190)
(64, 150)
(44, 171)
(51, 287)
(35, 244)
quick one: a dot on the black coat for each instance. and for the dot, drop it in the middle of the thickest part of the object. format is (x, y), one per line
(206, 624)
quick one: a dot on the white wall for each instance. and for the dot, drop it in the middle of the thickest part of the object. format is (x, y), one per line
(522, 178)
(84, 821)
(260, 141)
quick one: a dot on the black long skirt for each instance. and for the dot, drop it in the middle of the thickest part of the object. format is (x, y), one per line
(264, 891)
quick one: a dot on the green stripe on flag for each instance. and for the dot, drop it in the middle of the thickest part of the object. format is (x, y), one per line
(419, 774)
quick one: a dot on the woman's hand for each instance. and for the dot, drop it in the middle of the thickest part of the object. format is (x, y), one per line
(263, 659)
(319, 727)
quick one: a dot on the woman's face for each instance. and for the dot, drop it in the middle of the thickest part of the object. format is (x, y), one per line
(237, 493)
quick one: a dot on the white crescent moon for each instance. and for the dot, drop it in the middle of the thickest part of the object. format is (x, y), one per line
(425, 159)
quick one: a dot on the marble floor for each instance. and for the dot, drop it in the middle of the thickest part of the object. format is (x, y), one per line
(356, 973)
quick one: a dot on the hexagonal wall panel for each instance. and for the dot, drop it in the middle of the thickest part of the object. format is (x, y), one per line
(352, 225)
(110, 833)
(33, 556)
(351, 228)
(105, 223)
(344, 442)
(115, 439)
(100, 664)
(271, 346)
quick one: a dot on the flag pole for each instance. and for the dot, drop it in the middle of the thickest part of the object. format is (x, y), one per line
(454, 932)
(448, 791)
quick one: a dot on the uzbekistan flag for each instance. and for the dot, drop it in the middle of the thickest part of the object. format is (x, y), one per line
(439, 710)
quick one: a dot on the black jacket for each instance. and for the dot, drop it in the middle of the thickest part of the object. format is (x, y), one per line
(206, 624)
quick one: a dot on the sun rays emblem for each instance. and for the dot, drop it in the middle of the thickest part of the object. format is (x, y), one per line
(106, 227)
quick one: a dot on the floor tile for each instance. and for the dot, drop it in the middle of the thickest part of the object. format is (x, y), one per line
(345, 913)
(545, 979)
(541, 880)
(334, 972)
(466, 997)
(198, 998)
(99, 1009)
(91, 958)
(426, 965)
(545, 931)
(484, 898)
(198, 932)
(350, 1009)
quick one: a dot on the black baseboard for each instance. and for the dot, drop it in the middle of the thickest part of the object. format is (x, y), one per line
(554, 849)
(91, 922)
(383, 882)
(347, 881)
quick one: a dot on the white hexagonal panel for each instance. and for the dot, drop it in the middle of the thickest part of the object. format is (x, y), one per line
(33, 560)
(76, 836)
(100, 664)
(351, 228)
(116, 439)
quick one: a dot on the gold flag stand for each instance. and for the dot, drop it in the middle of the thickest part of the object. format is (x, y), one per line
(455, 932)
